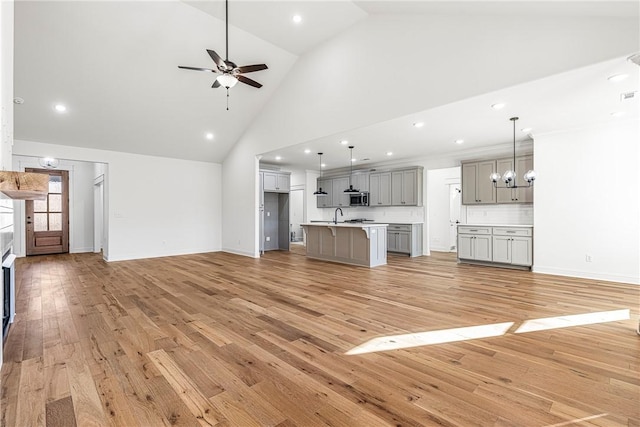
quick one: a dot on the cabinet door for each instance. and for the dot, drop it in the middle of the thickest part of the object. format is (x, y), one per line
(339, 197)
(469, 174)
(522, 251)
(270, 181)
(482, 248)
(410, 188)
(392, 241)
(525, 193)
(325, 201)
(404, 242)
(380, 189)
(283, 183)
(360, 181)
(502, 249)
(465, 246)
(504, 195)
(396, 188)
(485, 190)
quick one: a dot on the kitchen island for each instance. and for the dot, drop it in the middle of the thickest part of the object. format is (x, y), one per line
(348, 243)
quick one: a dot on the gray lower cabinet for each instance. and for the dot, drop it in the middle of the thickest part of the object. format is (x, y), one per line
(405, 238)
(500, 245)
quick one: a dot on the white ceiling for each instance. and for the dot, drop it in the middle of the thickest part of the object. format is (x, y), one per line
(114, 64)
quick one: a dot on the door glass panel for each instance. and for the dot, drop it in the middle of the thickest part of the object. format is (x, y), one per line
(39, 222)
(55, 202)
(55, 184)
(55, 222)
(39, 205)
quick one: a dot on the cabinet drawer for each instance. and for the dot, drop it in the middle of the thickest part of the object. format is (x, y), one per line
(464, 229)
(399, 227)
(505, 231)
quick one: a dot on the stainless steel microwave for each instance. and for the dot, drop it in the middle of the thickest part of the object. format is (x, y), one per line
(359, 199)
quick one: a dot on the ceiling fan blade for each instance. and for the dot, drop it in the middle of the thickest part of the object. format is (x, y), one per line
(251, 68)
(197, 69)
(248, 81)
(216, 58)
(215, 84)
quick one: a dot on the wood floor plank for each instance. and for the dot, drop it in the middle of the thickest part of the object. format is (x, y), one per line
(225, 340)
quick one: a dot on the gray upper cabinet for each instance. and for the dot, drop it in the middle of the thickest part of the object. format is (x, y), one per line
(380, 189)
(406, 187)
(276, 182)
(339, 197)
(516, 195)
(360, 181)
(477, 188)
(325, 201)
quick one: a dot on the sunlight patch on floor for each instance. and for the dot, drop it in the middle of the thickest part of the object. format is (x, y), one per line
(394, 342)
(572, 320)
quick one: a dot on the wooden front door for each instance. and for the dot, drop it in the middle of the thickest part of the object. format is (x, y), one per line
(48, 220)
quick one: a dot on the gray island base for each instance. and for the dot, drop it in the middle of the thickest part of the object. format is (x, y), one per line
(357, 244)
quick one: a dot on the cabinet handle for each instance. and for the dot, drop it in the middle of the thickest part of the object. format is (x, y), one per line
(510, 231)
(473, 230)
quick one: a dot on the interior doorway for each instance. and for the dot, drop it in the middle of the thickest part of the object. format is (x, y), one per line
(296, 216)
(47, 221)
(455, 205)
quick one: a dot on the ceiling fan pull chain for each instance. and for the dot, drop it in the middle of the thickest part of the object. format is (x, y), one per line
(227, 99)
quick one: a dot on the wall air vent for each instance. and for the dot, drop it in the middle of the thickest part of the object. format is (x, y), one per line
(628, 96)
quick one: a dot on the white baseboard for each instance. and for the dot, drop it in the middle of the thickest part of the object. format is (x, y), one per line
(239, 252)
(587, 275)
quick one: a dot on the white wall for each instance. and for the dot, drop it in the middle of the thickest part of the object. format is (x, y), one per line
(587, 202)
(300, 111)
(81, 176)
(156, 206)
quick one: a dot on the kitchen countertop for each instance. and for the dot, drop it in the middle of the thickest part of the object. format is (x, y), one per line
(495, 225)
(345, 224)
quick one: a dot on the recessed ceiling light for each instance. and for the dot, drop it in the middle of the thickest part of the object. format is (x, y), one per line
(344, 142)
(209, 136)
(389, 153)
(18, 100)
(297, 19)
(617, 77)
(60, 108)
(459, 141)
(526, 130)
(498, 106)
(278, 157)
(617, 113)
(418, 124)
(307, 151)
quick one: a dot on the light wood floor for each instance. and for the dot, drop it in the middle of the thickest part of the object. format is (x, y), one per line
(223, 340)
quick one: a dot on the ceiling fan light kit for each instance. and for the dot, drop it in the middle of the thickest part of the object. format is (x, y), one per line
(509, 177)
(231, 74)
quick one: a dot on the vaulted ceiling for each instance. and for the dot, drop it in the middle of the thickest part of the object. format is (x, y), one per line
(359, 70)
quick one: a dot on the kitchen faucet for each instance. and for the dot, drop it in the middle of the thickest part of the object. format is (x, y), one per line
(335, 215)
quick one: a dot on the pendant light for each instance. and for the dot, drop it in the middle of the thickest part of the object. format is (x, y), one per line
(319, 191)
(351, 189)
(509, 177)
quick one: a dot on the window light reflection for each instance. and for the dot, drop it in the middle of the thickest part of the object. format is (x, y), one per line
(394, 342)
(572, 320)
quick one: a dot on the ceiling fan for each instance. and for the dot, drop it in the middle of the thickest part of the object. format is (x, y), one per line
(230, 72)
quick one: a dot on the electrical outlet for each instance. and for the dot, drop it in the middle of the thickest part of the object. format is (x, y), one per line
(268, 238)
(587, 258)
(268, 213)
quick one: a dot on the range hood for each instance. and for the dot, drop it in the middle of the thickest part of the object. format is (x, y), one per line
(24, 185)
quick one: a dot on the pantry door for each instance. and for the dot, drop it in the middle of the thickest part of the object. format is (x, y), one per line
(47, 220)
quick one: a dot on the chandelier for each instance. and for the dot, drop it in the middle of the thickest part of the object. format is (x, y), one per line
(509, 177)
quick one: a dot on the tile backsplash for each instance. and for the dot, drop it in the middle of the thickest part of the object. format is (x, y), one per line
(517, 214)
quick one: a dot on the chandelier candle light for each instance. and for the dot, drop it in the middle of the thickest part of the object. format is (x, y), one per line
(351, 189)
(509, 177)
(319, 191)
